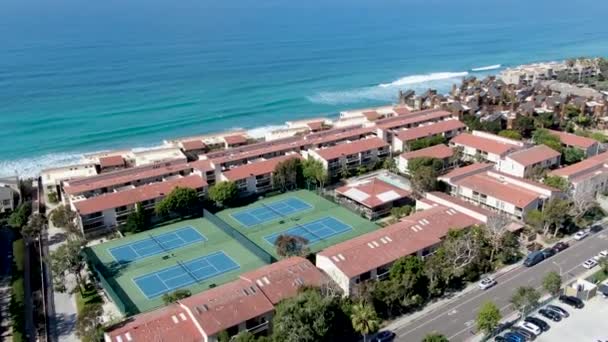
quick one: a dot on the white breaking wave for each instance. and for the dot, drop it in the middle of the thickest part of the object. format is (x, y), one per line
(260, 132)
(416, 79)
(31, 167)
(442, 81)
(489, 67)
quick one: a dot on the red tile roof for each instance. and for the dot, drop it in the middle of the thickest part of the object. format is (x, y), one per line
(429, 130)
(125, 176)
(136, 195)
(573, 139)
(111, 161)
(533, 155)
(203, 165)
(256, 168)
(345, 149)
(315, 125)
(483, 144)
(192, 145)
(381, 247)
(583, 166)
(284, 278)
(372, 115)
(373, 193)
(169, 324)
(438, 151)
(401, 110)
(506, 192)
(220, 308)
(236, 139)
(466, 170)
(457, 202)
(413, 118)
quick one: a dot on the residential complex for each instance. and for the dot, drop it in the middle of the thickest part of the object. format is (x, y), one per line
(587, 178)
(441, 152)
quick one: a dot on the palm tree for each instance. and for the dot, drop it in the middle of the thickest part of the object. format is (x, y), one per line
(364, 319)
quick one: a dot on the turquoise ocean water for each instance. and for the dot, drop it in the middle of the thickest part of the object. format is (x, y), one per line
(80, 76)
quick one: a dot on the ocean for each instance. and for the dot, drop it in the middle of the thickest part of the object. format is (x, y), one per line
(80, 76)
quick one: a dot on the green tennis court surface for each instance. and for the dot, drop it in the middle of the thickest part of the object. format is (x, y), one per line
(323, 224)
(195, 255)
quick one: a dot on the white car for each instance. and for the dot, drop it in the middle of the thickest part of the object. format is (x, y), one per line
(581, 234)
(532, 328)
(486, 283)
(603, 253)
(589, 264)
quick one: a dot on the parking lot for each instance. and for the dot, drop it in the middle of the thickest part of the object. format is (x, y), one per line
(586, 324)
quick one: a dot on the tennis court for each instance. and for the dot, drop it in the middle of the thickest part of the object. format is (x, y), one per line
(314, 231)
(156, 244)
(270, 211)
(325, 222)
(184, 274)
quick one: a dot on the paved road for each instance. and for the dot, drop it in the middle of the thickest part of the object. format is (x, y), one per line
(455, 319)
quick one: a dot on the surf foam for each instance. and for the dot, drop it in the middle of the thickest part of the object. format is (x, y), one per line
(489, 67)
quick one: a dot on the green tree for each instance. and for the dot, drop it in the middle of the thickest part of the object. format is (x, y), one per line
(524, 299)
(310, 317)
(364, 319)
(510, 250)
(435, 337)
(287, 174)
(604, 265)
(511, 134)
(571, 111)
(344, 171)
(488, 317)
(62, 216)
(223, 193)
(436, 268)
(67, 259)
(291, 245)
(314, 172)
(389, 164)
(53, 198)
(556, 182)
(399, 212)
(88, 324)
(176, 295)
(573, 155)
(244, 336)
(524, 125)
(553, 214)
(552, 283)
(136, 221)
(32, 230)
(180, 201)
(426, 142)
(543, 136)
(20, 216)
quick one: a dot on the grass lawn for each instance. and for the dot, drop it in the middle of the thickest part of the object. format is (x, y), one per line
(598, 277)
(89, 295)
(17, 308)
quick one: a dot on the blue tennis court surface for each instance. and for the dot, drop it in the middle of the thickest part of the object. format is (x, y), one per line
(314, 231)
(184, 274)
(156, 244)
(270, 212)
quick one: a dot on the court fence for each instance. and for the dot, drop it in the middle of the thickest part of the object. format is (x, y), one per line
(242, 239)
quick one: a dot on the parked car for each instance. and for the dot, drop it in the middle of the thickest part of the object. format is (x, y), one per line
(384, 336)
(534, 258)
(596, 228)
(581, 234)
(550, 314)
(530, 327)
(603, 254)
(560, 246)
(572, 301)
(589, 264)
(486, 283)
(525, 333)
(548, 252)
(500, 339)
(559, 310)
(514, 336)
(544, 326)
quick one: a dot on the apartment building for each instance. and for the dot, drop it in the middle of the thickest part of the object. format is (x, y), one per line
(255, 177)
(485, 146)
(589, 146)
(587, 178)
(108, 210)
(52, 178)
(9, 193)
(246, 304)
(441, 152)
(386, 127)
(370, 256)
(482, 185)
(524, 163)
(402, 138)
(350, 155)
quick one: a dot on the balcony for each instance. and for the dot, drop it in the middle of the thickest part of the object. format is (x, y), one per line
(259, 328)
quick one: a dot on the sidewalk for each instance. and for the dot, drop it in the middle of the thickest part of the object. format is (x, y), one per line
(65, 304)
